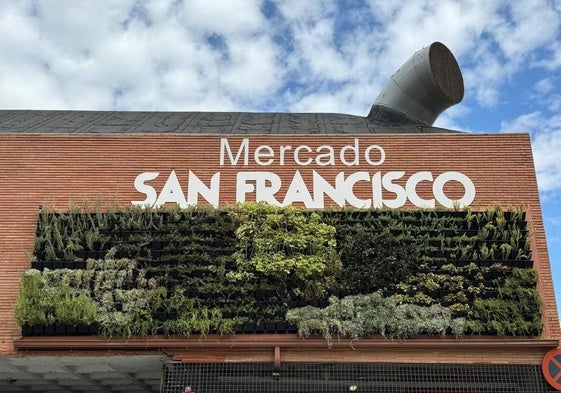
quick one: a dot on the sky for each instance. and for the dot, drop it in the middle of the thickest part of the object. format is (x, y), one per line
(292, 56)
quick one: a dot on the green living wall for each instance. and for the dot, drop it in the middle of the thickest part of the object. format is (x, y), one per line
(255, 268)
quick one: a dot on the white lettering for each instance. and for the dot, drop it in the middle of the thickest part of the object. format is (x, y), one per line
(269, 153)
(329, 155)
(172, 193)
(377, 201)
(411, 189)
(265, 187)
(368, 158)
(349, 192)
(298, 192)
(322, 187)
(284, 149)
(149, 191)
(401, 196)
(297, 155)
(354, 149)
(265, 155)
(267, 184)
(225, 147)
(196, 186)
(438, 189)
(242, 186)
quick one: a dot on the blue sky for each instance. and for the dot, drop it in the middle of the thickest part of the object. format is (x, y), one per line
(292, 56)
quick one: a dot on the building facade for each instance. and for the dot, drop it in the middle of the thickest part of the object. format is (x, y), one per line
(111, 218)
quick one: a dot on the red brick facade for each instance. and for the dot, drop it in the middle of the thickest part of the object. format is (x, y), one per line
(55, 170)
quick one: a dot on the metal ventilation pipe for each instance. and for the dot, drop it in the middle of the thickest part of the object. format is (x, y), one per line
(426, 85)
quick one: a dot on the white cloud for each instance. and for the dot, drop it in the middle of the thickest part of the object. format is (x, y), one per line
(313, 101)
(223, 16)
(101, 56)
(526, 26)
(316, 47)
(306, 11)
(528, 122)
(555, 103)
(544, 86)
(253, 69)
(485, 79)
(491, 39)
(547, 157)
(555, 221)
(548, 94)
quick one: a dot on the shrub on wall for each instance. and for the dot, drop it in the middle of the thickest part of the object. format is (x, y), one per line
(39, 303)
(374, 261)
(116, 297)
(516, 310)
(296, 250)
(361, 315)
(181, 271)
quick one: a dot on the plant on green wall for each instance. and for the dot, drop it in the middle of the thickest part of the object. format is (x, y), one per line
(41, 304)
(126, 297)
(33, 304)
(374, 261)
(195, 317)
(284, 244)
(516, 310)
(361, 315)
(73, 309)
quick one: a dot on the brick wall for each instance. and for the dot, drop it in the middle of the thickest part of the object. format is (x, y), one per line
(55, 170)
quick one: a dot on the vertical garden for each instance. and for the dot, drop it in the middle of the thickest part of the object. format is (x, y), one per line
(255, 268)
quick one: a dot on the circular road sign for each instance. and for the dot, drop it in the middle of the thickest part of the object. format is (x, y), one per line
(551, 368)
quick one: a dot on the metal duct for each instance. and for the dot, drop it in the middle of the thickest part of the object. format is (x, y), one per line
(426, 85)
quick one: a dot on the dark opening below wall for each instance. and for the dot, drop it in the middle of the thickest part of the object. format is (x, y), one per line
(353, 377)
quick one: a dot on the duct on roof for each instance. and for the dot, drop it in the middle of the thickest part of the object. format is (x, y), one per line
(421, 89)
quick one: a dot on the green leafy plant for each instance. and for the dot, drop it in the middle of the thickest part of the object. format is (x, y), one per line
(374, 261)
(194, 317)
(33, 305)
(41, 304)
(73, 309)
(287, 245)
(515, 312)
